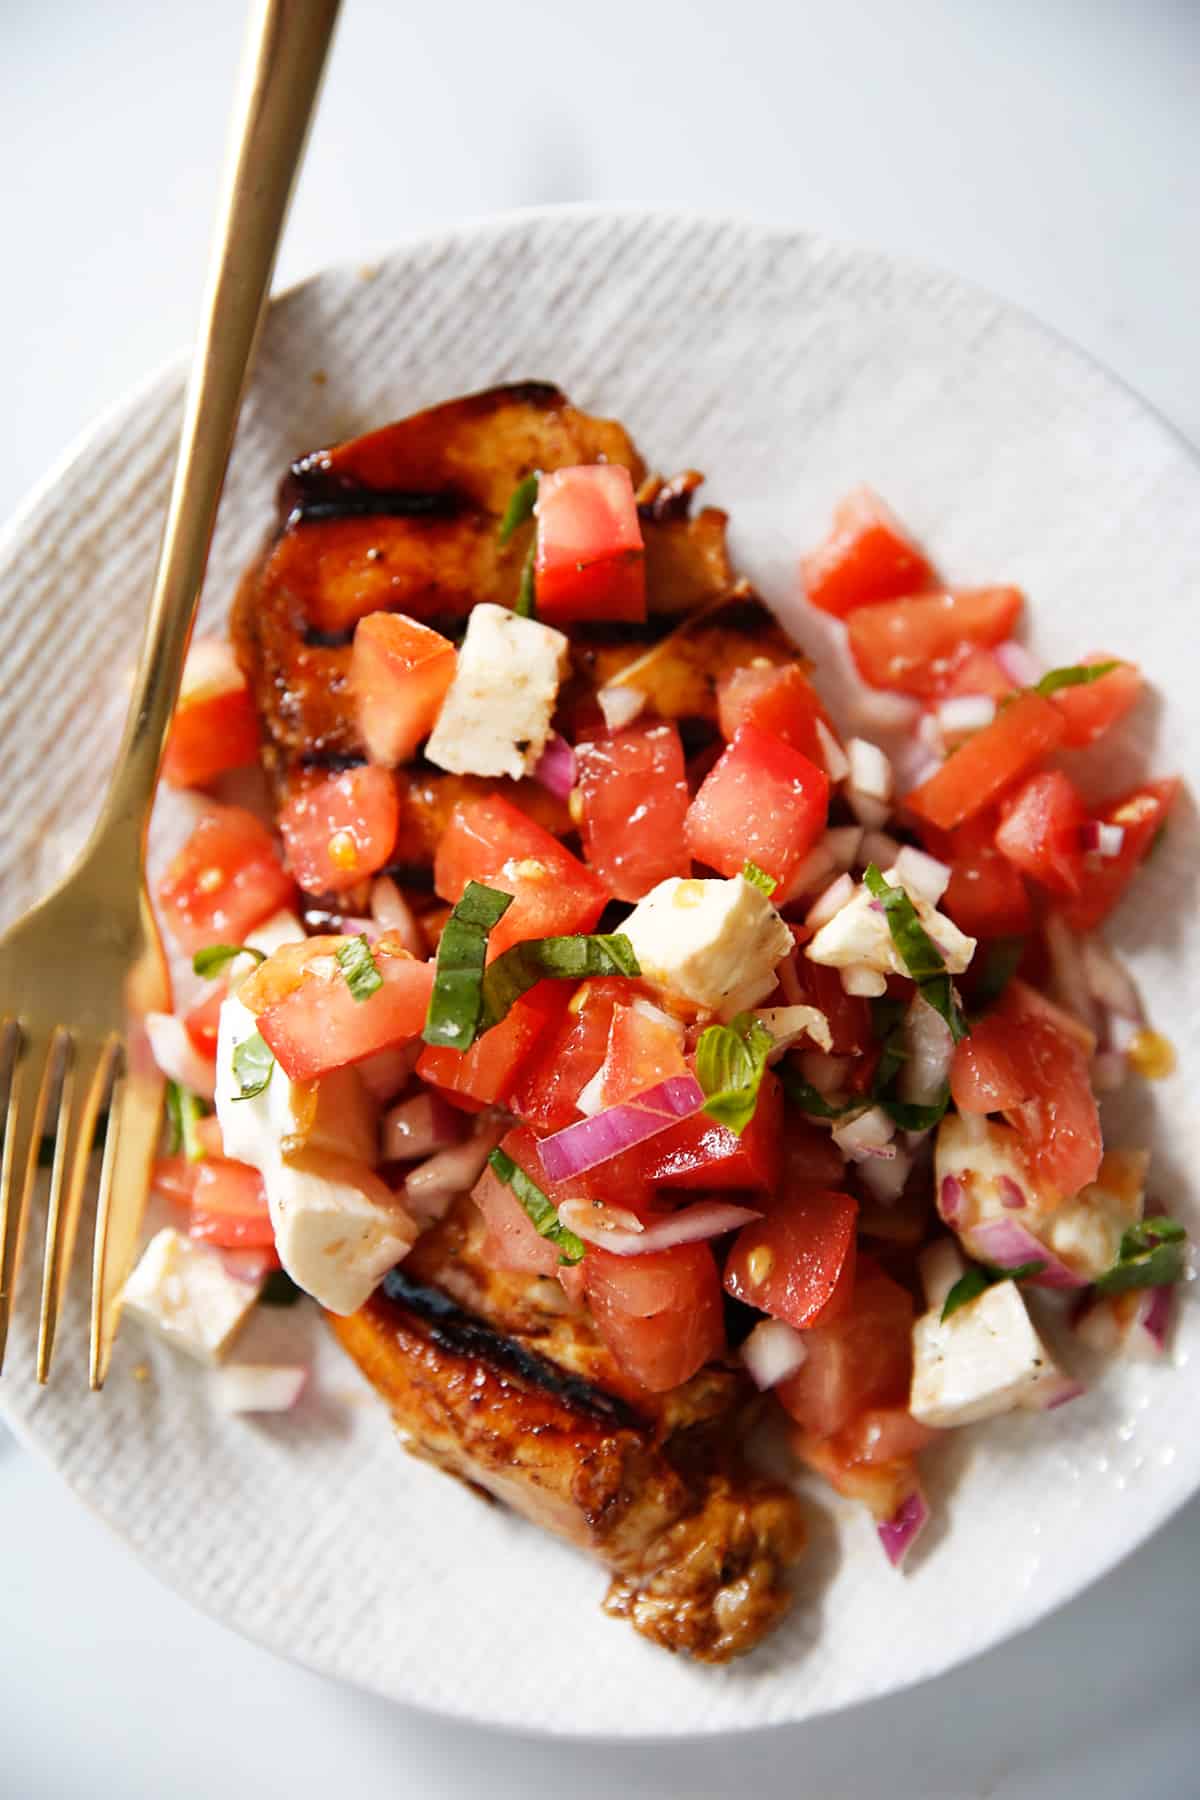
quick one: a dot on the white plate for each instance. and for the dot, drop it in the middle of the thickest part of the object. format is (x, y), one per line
(788, 369)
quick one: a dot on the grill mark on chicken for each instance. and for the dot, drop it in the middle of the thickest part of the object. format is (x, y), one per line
(457, 1331)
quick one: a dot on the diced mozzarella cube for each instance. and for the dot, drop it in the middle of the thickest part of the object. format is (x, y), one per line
(338, 1227)
(1086, 1233)
(183, 1291)
(257, 1388)
(859, 933)
(986, 1358)
(715, 943)
(495, 719)
(335, 1113)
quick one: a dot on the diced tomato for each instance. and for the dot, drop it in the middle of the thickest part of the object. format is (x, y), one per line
(634, 793)
(226, 880)
(1040, 831)
(914, 646)
(810, 1156)
(208, 1135)
(487, 1072)
(1141, 814)
(763, 802)
(644, 1048)
(867, 557)
(776, 697)
(202, 1020)
(512, 1242)
(985, 896)
(215, 727)
(883, 1434)
(227, 1201)
(590, 560)
(979, 672)
(399, 673)
(699, 1153)
(849, 1015)
(660, 1314)
(989, 763)
(1090, 710)
(862, 1359)
(317, 1024)
(546, 1092)
(882, 1487)
(797, 1262)
(554, 894)
(1019, 1062)
(340, 829)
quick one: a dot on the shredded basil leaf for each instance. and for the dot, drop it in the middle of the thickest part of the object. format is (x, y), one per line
(1001, 962)
(916, 1118)
(1151, 1255)
(801, 1093)
(1076, 675)
(918, 952)
(520, 506)
(979, 1278)
(730, 1060)
(359, 967)
(525, 605)
(184, 1112)
(558, 958)
(279, 1290)
(456, 1002)
(215, 957)
(540, 1209)
(252, 1066)
(759, 878)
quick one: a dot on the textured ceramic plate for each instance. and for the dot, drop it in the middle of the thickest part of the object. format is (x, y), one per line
(788, 370)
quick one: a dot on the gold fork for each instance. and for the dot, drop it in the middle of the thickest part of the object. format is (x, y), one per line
(79, 971)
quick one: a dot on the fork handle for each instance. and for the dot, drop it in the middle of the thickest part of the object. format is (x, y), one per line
(285, 55)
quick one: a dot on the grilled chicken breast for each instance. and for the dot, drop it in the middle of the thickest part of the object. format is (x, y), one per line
(499, 1379)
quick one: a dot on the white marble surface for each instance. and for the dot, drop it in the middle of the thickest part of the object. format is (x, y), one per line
(1049, 149)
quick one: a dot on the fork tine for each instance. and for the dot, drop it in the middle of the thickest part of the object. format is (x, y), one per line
(91, 1074)
(23, 1125)
(134, 1122)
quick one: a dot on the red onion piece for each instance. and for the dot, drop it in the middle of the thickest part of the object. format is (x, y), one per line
(707, 1219)
(950, 1200)
(929, 1051)
(839, 893)
(432, 1185)
(1018, 664)
(393, 913)
(620, 705)
(1007, 1244)
(1012, 1195)
(1055, 1391)
(789, 981)
(589, 1142)
(176, 1055)
(886, 1179)
(772, 1352)
(1100, 839)
(555, 768)
(899, 1533)
(419, 1126)
(1155, 1315)
(965, 713)
(386, 1072)
(921, 876)
(250, 1266)
(1109, 981)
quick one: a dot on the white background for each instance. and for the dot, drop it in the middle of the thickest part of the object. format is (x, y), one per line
(1049, 149)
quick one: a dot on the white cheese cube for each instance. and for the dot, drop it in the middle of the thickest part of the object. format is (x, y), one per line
(859, 933)
(715, 943)
(183, 1291)
(335, 1113)
(1086, 1232)
(985, 1359)
(495, 719)
(338, 1227)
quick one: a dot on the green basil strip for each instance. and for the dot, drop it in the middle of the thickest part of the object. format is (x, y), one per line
(457, 998)
(557, 958)
(215, 957)
(730, 1060)
(1001, 962)
(357, 964)
(916, 1118)
(920, 955)
(802, 1094)
(184, 1112)
(540, 1209)
(759, 878)
(520, 506)
(279, 1290)
(979, 1278)
(252, 1066)
(1076, 675)
(525, 607)
(1151, 1255)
